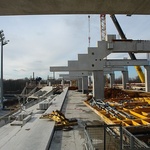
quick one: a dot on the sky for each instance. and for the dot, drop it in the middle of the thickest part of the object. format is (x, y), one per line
(37, 42)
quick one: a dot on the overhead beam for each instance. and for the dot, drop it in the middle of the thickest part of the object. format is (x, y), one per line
(127, 62)
(81, 72)
(122, 46)
(59, 69)
(100, 65)
(38, 7)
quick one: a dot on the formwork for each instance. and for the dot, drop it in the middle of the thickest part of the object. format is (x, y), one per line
(133, 113)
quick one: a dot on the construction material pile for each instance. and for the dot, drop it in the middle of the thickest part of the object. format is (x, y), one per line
(122, 94)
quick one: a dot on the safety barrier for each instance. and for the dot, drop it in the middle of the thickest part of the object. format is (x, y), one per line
(111, 137)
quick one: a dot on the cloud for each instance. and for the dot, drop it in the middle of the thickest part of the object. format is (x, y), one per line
(38, 42)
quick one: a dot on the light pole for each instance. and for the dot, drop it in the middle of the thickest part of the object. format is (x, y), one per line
(3, 42)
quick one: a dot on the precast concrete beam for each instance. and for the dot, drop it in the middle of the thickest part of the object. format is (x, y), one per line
(74, 70)
(69, 78)
(80, 73)
(100, 65)
(121, 46)
(76, 74)
(38, 7)
(85, 66)
(64, 75)
(112, 69)
(59, 69)
(126, 62)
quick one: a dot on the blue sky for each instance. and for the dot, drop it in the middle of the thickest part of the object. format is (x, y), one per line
(38, 42)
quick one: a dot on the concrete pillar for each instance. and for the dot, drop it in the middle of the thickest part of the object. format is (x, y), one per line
(85, 84)
(125, 79)
(80, 84)
(112, 79)
(70, 83)
(90, 81)
(147, 78)
(98, 84)
(62, 82)
(105, 76)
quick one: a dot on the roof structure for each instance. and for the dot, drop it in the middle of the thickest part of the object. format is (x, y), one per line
(37, 7)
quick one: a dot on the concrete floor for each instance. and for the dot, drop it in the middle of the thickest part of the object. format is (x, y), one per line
(74, 108)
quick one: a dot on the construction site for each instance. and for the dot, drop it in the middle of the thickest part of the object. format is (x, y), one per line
(92, 112)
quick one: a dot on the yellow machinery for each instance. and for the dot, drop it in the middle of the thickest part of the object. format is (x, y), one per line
(133, 114)
(59, 119)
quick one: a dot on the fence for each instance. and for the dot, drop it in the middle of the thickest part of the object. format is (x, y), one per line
(111, 137)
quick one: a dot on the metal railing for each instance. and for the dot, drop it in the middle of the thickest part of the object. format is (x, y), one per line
(130, 142)
(111, 137)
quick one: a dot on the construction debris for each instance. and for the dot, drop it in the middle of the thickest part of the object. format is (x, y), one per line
(130, 109)
(61, 121)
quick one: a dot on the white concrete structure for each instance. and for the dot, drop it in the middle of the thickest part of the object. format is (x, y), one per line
(82, 78)
(94, 61)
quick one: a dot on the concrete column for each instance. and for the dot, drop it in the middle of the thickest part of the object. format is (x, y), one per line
(147, 78)
(98, 84)
(70, 83)
(112, 79)
(90, 81)
(85, 84)
(105, 76)
(80, 84)
(62, 82)
(125, 79)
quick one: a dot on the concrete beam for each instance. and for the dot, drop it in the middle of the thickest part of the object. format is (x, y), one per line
(67, 77)
(35, 7)
(107, 70)
(122, 46)
(127, 62)
(59, 69)
(80, 74)
(90, 66)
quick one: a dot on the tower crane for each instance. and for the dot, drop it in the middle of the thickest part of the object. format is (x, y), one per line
(103, 26)
(103, 34)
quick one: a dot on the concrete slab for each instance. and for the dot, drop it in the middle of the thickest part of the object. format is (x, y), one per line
(33, 7)
(35, 134)
(74, 108)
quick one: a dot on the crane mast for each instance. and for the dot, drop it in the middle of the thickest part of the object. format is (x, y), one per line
(103, 26)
